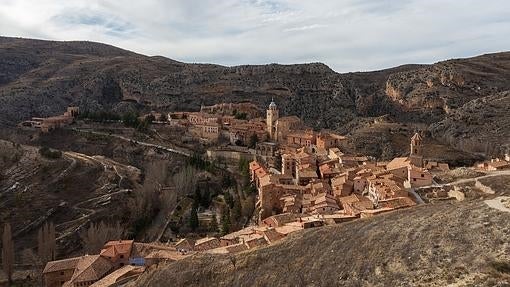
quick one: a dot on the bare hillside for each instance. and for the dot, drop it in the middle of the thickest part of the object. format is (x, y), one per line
(462, 244)
(67, 188)
(40, 78)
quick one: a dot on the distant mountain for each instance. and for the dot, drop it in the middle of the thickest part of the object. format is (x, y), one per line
(40, 78)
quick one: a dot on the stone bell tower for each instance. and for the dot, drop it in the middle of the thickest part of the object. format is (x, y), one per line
(271, 118)
(416, 154)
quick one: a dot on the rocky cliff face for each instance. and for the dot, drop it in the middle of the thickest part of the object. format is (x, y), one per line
(40, 78)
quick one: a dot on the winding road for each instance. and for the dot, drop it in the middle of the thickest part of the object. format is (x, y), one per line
(168, 149)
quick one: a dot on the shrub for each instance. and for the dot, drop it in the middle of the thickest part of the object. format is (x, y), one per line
(48, 153)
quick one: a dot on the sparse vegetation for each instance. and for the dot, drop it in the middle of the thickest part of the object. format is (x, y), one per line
(46, 245)
(48, 153)
(96, 235)
(7, 252)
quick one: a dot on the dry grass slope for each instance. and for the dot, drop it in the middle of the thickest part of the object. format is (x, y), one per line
(435, 245)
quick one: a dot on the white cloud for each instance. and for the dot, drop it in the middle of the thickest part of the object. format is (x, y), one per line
(347, 35)
(307, 27)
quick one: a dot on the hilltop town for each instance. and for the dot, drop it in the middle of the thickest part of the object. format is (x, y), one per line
(123, 169)
(301, 176)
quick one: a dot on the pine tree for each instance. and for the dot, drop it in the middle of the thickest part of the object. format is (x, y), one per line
(236, 210)
(225, 221)
(206, 198)
(229, 200)
(198, 196)
(7, 252)
(193, 220)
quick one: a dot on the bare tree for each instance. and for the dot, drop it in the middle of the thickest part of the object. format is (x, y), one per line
(8, 252)
(46, 244)
(97, 235)
(29, 258)
(185, 181)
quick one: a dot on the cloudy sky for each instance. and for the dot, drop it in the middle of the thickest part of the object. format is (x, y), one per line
(347, 35)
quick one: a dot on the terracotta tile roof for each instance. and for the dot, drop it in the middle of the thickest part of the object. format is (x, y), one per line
(398, 202)
(244, 231)
(60, 265)
(113, 277)
(283, 218)
(250, 237)
(271, 235)
(254, 165)
(205, 240)
(308, 173)
(398, 162)
(234, 248)
(185, 240)
(91, 268)
(114, 248)
(356, 201)
(287, 229)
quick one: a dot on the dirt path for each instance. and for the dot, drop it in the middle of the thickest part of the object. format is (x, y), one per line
(168, 149)
(86, 212)
(466, 180)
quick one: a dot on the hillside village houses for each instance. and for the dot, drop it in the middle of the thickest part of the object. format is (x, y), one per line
(303, 179)
(51, 123)
(118, 262)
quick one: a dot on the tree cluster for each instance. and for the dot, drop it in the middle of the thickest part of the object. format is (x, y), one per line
(94, 237)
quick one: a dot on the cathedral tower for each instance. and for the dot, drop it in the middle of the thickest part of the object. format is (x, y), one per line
(271, 118)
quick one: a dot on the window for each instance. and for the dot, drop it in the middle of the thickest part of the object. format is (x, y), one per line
(414, 179)
(62, 273)
(422, 175)
(122, 256)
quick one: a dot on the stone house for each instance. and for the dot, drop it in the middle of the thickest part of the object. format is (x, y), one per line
(354, 204)
(327, 140)
(118, 252)
(56, 273)
(419, 177)
(207, 243)
(89, 269)
(342, 186)
(279, 220)
(243, 132)
(494, 164)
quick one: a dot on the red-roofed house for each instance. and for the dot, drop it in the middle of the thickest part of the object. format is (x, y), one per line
(118, 252)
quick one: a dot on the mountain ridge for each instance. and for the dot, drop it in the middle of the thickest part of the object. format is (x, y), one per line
(40, 78)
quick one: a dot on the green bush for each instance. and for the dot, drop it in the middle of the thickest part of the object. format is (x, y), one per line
(48, 153)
